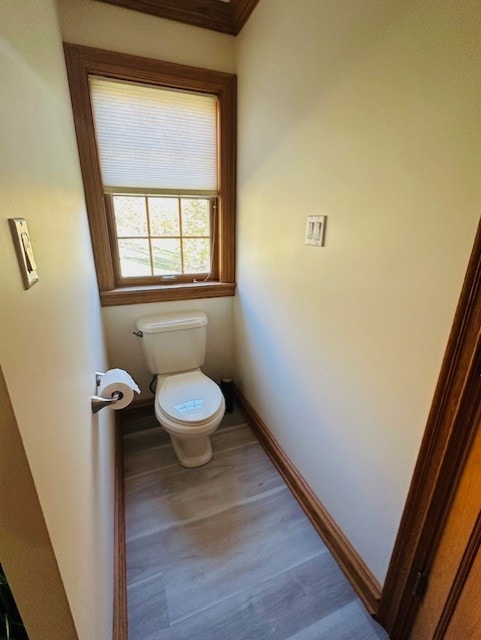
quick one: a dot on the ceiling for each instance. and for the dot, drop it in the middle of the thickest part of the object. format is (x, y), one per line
(227, 16)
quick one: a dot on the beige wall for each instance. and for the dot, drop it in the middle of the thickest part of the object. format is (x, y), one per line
(26, 552)
(90, 23)
(370, 113)
(51, 336)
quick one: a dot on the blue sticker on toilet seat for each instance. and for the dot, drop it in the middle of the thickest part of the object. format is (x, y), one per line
(189, 406)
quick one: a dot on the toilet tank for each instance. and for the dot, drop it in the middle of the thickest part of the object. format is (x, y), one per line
(173, 342)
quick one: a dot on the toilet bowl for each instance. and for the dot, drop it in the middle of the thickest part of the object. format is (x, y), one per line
(190, 407)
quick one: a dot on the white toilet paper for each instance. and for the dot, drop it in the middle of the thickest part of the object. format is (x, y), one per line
(118, 380)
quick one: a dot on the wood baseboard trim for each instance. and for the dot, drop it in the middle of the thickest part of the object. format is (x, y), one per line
(353, 566)
(120, 628)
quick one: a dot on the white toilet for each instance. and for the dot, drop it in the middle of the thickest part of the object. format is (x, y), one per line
(188, 404)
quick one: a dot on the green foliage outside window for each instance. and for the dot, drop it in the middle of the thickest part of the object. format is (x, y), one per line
(160, 235)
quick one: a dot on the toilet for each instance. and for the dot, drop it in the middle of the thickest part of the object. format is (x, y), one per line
(188, 404)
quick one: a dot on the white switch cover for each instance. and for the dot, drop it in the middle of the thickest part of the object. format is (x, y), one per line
(316, 230)
(23, 248)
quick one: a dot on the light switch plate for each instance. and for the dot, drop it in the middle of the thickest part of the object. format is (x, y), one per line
(23, 248)
(316, 230)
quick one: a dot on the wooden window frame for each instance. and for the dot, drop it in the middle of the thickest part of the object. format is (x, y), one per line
(83, 62)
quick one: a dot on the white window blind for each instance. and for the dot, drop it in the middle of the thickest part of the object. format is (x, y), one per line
(154, 138)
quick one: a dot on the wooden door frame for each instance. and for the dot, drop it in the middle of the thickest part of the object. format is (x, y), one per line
(444, 448)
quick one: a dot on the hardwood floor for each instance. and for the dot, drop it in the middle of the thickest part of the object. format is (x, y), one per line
(224, 552)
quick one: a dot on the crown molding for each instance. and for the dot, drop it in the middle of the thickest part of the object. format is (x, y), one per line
(226, 17)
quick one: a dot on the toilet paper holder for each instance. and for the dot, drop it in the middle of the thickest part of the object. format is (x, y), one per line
(98, 402)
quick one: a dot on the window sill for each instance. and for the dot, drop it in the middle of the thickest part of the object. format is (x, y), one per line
(164, 293)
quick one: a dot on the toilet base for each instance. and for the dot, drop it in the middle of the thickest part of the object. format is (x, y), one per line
(192, 451)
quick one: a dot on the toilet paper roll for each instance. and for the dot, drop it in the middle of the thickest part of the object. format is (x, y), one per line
(118, 380)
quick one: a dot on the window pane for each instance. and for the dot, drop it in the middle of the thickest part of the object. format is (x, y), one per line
(134, 258)
(130, 215)
(195, 217)
(166, 256)
(196, 255)
(164, 216)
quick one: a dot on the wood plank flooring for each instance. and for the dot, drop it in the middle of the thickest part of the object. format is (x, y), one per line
(224, 552)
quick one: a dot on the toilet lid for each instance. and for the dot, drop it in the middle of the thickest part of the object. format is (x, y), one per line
(190, 398)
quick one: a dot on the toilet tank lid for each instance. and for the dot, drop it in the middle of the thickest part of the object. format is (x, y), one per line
(176, 321)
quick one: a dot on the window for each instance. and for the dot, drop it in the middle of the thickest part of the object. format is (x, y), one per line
(167, 237)
(157, 150)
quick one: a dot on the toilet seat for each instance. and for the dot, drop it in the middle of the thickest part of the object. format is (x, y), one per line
(188, 402)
